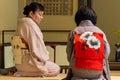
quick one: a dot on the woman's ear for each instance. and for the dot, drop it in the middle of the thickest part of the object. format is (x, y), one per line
(30, 14)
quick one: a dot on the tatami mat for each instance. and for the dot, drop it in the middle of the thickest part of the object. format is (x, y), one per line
(115, 75)
(59, 77)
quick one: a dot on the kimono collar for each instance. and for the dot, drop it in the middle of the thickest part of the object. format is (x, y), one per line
(29, 22)
(86, 23)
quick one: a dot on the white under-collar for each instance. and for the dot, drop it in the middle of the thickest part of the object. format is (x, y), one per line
(86, 23)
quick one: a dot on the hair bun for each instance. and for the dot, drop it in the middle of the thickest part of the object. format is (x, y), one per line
(26, 10)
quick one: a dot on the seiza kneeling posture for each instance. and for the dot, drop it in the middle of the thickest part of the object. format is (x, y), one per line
(36, 61)
(87, 49)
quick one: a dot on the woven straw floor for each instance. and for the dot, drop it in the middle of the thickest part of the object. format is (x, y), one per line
(115, 75)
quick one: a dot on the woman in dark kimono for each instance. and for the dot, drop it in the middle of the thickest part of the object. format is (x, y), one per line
(85, 19)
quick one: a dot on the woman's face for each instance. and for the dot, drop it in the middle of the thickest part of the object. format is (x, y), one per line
(37, 16)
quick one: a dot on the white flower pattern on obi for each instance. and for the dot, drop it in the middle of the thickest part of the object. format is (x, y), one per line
(90, 40)
(86, 35)
(93, 42)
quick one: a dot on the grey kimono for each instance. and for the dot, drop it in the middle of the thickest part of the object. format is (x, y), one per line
(87, 25)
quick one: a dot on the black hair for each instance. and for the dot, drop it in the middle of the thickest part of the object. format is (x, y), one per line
(34, 6)
(85, 13)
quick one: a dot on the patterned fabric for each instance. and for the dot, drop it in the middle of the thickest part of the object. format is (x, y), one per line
(89, 50)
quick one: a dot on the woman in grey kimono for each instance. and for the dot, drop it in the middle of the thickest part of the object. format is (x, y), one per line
(85, 19)
(37, 61)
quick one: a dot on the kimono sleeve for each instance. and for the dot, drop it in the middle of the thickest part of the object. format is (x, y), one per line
(70, 46)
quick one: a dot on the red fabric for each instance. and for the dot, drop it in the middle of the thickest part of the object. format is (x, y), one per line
(87, 57)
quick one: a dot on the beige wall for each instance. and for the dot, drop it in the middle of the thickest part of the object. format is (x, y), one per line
(108, 13)
(8, 19)
(8, 15)
(21, 4)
